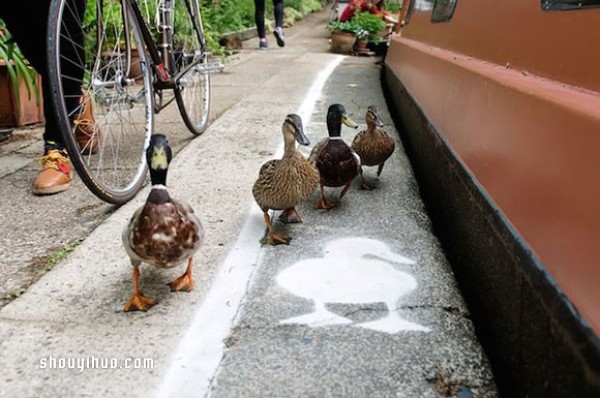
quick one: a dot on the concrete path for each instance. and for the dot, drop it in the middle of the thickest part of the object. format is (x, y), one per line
(362, 303)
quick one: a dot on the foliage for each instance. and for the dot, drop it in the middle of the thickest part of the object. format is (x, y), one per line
(17, 65)
(369, 22)
(227, 15)
(291, 15)
(112, 27)
(393, 6)
(304, 7)
(348, 26)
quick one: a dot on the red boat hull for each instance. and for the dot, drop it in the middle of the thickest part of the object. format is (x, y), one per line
(500, 107)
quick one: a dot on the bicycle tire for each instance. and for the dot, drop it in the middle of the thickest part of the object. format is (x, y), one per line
(189, 51)
(86, 47)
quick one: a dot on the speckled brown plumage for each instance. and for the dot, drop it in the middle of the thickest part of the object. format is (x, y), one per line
(286, 182)
(164, 232)
(374, 145)
(283, 184)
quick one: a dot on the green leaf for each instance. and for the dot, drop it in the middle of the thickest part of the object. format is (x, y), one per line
(17, 66)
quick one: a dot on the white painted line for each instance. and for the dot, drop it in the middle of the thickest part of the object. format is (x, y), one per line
(197, 359)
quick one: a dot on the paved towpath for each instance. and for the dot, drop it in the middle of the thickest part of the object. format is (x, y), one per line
(362, 303)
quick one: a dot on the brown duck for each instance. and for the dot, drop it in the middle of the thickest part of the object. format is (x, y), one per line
(374, 145)
(337, 163)
(284, 183)
(163, 232)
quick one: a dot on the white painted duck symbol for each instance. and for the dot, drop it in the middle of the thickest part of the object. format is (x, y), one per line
(353, 271)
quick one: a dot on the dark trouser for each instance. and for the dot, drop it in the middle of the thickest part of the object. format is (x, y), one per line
(27, 21)
(259, 15)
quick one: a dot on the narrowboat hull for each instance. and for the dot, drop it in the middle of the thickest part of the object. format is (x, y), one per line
(502, 125)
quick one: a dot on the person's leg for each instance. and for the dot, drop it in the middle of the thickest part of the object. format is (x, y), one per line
(27, 21)
(79, 103)
(278, 13)
(259, 19)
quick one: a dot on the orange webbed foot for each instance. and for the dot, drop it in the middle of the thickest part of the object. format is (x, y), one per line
(276, 239)
(272, 237)
(138, 302)
(185, 283)
(181, 284)
(324, 204)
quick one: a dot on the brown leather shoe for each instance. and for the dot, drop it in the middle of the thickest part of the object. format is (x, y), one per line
(56, 173)
(87, 133)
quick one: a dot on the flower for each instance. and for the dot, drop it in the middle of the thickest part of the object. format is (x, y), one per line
(362, 34)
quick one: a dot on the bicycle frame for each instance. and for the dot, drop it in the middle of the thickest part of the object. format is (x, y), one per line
(160, 53)
(160, 60)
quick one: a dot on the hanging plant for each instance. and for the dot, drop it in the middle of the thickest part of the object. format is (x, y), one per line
(17, 66)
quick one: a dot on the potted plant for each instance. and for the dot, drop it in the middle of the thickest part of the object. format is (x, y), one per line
(343, 36)
(371, 23)
(362, 39)
(20, 85)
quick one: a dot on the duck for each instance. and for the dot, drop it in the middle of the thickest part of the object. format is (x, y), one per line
(337, 162)
(374, 145)
(164, 231)
(283, 184)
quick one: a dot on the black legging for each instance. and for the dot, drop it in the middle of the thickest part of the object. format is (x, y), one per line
(27, 21)
(259, 15)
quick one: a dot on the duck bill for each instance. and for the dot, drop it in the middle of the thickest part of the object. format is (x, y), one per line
(378, 122)
(301, 138)
(159, 159)
(349, 122)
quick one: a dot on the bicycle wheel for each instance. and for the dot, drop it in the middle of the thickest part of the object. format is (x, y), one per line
(192, 76)
(101, 91)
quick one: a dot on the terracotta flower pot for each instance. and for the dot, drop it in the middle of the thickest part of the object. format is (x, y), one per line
(29, 110)
(342, 42)
(361, 44)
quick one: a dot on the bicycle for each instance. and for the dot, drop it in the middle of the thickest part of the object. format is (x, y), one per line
(103, 54)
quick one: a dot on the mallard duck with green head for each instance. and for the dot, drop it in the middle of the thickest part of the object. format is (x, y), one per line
(337, 163)
(164, 231)
(283, 184)
(374, 145)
